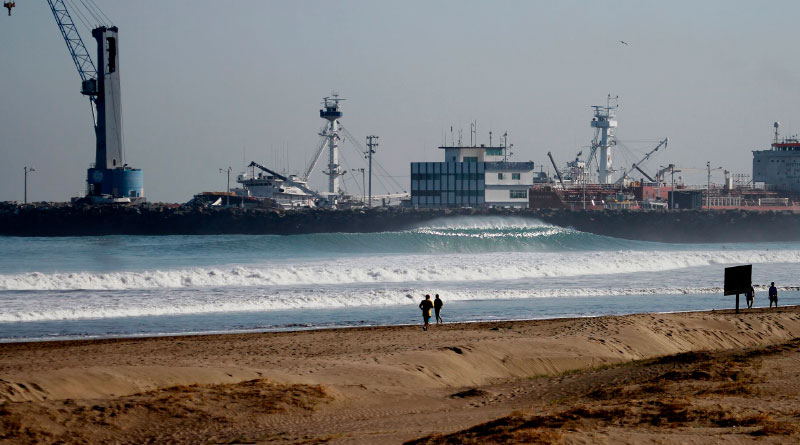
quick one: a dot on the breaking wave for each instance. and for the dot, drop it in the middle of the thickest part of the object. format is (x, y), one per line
(443, 236)
(460, 268)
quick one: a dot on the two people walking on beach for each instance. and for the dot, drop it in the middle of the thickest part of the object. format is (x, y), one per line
(773, 295)
(426, 305)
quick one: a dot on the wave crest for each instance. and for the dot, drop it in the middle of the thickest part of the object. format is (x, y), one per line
(399, 269)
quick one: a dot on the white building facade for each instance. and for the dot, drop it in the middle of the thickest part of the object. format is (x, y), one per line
(471, 177)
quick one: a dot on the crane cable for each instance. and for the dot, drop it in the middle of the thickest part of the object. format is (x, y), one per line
(350, 170)
(97, 20)
(79, 13)
(358, 147)
(100, 11)
(89, 13)
(374, 161)
(343, 176)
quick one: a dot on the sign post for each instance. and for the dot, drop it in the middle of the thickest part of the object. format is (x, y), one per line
(738, 281)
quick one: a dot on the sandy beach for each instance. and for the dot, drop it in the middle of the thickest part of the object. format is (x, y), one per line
(671, 378)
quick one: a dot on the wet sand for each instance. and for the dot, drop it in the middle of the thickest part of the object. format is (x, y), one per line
(565, 380)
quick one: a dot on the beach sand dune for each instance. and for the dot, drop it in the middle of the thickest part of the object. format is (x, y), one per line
(675, 378)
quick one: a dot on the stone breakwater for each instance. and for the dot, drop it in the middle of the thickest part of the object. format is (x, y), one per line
(156, 219)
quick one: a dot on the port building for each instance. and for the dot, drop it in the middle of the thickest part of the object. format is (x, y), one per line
(475, 176)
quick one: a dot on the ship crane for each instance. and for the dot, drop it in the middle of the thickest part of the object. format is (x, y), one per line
(558, 173)
(645, 158)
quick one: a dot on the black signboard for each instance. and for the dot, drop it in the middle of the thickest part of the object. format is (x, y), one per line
(737, 279)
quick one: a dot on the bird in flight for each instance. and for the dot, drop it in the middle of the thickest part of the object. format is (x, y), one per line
(623, 42)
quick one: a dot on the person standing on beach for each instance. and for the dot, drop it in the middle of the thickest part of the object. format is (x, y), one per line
(437, 306)
(773, 294)
(750, 296)
(426, 305)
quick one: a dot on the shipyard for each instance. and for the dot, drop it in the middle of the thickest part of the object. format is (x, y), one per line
(475, 178)
(399, 222)
(607, 173)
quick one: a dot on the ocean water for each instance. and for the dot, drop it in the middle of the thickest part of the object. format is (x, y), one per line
(485, 268)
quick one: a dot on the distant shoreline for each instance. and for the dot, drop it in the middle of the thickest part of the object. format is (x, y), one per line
(156, 219)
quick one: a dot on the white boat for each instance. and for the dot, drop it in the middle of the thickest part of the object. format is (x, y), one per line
(265, 186)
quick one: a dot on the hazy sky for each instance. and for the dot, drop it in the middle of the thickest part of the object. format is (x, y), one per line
(208, 83)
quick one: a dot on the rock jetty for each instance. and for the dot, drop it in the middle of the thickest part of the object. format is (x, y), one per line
(55, 219)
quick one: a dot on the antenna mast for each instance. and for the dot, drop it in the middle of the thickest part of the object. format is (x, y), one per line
(473, 133)
(332, 114)
(505, 146)
(604, 122)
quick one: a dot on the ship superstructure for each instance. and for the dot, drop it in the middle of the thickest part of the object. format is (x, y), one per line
(779, 166)
(282, 191)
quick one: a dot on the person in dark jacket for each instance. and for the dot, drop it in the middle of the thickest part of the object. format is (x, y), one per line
(750, 296)
(437, 307)
(426, 305)
(773, 294)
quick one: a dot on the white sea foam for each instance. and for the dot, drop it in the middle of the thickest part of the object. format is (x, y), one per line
(486, 223)
(100, 305)
(459, 268)
(549, 231)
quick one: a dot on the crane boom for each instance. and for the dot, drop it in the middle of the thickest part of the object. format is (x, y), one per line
(80, 55)
(109, 176)
(558, 173)
(643, 172)
(273, 173)
(646, 157)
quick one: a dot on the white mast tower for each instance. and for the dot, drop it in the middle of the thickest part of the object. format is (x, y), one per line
(604, 122)
(332, 114)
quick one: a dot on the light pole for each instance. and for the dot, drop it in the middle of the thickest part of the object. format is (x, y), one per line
(371, 144)
(708, 167)
(363, 186)
(708, 186)
(228, 195)
(27, 170)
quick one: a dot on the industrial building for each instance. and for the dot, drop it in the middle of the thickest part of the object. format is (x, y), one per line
(475, 176)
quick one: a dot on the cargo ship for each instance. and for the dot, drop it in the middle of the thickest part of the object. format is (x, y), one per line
(590, 184)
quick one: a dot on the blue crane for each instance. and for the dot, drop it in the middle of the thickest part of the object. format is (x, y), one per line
(109, 178)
